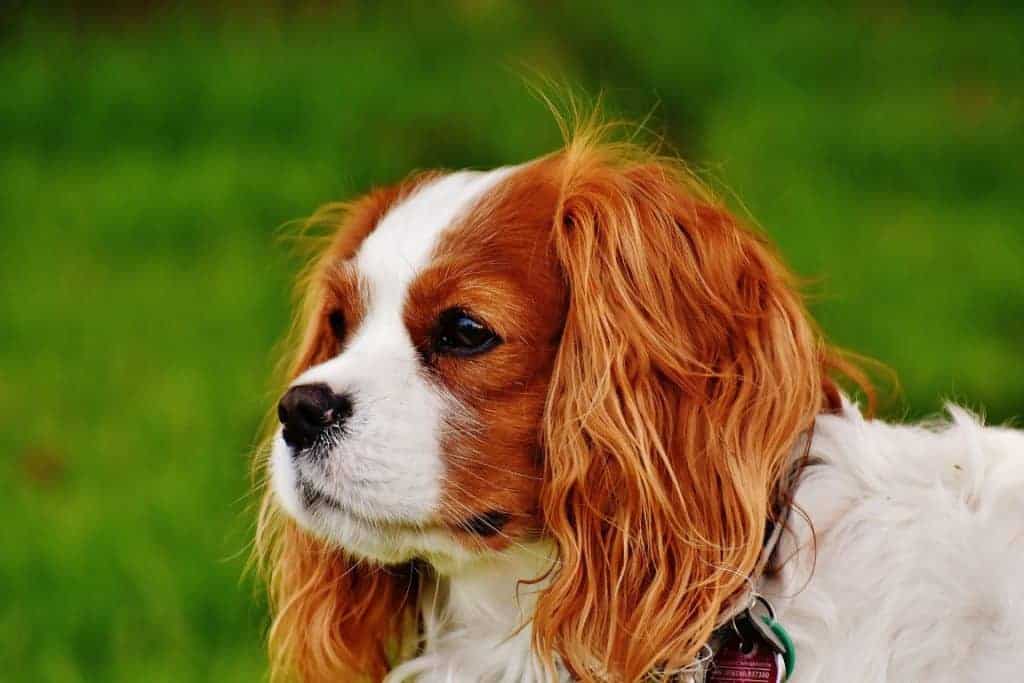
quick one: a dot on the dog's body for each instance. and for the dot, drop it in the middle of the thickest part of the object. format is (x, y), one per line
(913, 569)
(539, 419)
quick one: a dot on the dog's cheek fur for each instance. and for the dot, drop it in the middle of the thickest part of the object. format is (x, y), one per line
(497, 264)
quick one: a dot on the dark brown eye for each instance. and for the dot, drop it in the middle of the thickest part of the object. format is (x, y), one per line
(336, 319)
(459, 334)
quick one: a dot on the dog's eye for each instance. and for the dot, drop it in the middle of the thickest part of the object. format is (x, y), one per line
(459, 334)
(336, 319)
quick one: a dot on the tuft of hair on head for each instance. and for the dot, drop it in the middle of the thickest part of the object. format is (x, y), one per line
(687, 372)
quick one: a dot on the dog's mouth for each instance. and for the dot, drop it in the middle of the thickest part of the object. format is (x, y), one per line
(484, 525)
(314, 499)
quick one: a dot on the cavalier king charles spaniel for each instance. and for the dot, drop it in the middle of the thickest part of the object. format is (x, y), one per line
(570, 420)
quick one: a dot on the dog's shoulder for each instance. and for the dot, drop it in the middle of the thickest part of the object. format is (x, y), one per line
(905, 563)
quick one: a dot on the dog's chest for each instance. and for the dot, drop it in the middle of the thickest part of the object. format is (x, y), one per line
(477, 623)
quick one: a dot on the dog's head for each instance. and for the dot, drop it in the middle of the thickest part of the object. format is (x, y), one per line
(585, 349)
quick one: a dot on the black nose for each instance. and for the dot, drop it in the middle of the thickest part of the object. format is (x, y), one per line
(306, 410)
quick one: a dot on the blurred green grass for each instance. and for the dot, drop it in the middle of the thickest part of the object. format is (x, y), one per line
(146, 168)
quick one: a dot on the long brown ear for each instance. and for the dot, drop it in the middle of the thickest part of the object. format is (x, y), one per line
(686, 373)
(334, 618)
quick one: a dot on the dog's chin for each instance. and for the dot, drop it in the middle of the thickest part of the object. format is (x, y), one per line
(385, 540)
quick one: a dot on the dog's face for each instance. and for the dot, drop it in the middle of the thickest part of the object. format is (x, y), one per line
(584, 348)
(414, 432)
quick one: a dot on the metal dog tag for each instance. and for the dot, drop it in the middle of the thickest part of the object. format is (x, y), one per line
(751, 651)
(738, 662)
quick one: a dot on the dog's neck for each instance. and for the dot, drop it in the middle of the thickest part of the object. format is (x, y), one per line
(476, 620)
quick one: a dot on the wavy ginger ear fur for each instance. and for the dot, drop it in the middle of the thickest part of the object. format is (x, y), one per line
(687, 370)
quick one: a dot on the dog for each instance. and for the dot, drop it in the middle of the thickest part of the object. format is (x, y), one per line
(570, 420)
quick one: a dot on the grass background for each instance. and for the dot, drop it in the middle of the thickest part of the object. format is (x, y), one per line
(148, 158)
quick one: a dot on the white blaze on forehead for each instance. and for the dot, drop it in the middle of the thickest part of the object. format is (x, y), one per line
(404, 239)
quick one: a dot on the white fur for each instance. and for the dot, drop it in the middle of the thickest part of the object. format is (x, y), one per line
(919, 569)
(477, 622)
(918, 575)
(386, 473)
